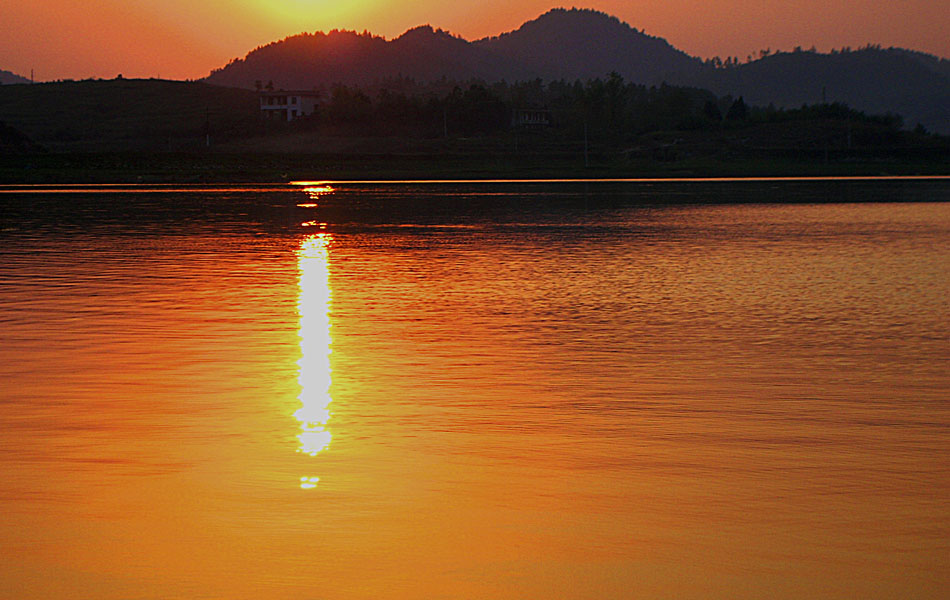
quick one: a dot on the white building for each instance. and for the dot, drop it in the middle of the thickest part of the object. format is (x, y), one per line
(288, 105)
(530, 117)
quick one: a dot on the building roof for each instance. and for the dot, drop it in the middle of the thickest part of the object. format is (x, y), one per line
(290, 93)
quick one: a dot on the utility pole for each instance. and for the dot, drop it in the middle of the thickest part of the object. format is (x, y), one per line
(207, 128)
(586, 159)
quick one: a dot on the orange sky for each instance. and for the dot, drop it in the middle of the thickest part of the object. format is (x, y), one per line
(187, 38)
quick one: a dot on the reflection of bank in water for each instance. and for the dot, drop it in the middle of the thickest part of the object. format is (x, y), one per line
(313, 307)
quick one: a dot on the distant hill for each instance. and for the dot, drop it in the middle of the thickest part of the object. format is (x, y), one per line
(308, 61)
(126, 113)
(561, 44)
(938, 65)
(874, 80)
(6, 78)
(582, 44)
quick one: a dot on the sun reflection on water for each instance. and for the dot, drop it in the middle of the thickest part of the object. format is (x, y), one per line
(313, 307)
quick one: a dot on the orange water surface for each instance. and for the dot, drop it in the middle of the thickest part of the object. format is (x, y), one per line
(401, 391)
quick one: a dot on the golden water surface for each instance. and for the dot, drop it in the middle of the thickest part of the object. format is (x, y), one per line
(476, 391)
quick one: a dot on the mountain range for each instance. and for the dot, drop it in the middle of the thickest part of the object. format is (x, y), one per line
(561, 44)
(580, 44)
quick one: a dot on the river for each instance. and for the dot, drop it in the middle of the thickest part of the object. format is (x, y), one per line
(734, 389)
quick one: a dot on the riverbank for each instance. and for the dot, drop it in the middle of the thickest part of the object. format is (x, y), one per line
(212, 167)
(154, 131)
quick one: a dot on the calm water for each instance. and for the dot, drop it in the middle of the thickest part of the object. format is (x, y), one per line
(574, 391)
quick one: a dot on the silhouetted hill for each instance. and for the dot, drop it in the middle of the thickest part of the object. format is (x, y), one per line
(308, 61)
(427, 55)
(126, 113)
(936, 64)
(6, 78)
(583, 44)
(561, 44)
(874, 80)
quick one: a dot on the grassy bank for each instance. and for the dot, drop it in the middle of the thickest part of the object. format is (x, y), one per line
(211, 167)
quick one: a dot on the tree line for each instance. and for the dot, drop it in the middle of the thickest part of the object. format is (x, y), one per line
(609, 108)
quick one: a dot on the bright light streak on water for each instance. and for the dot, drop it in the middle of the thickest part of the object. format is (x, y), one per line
(315, 347)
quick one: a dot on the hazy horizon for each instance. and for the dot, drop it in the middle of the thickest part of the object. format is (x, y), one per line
(181, 40)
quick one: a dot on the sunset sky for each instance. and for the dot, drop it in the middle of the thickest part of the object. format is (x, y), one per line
(178, 39)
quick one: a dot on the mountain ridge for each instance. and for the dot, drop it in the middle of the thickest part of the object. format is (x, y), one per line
(581, 44)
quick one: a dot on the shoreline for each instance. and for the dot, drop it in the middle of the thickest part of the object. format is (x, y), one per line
(263, 186)
(247, 168)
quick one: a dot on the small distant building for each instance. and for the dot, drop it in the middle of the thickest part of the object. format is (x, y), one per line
(530, 117)
(285, 105)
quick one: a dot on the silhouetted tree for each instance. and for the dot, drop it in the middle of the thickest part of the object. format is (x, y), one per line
(738, 111)
(350, 106)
